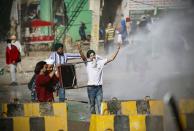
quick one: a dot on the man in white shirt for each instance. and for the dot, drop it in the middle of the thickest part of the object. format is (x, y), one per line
(94, 66)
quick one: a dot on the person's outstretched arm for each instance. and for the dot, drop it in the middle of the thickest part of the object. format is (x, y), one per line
(114, 55)
(81, 53)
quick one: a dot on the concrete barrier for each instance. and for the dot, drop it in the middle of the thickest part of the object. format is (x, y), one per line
(186, 106)
(150, 107)
(46, 123)
(34, 109)
(33, 117)
(126, 123)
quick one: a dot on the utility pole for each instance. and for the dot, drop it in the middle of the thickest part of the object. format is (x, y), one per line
(46, 14)
(15, 19)
(95, 7)
(19, 20)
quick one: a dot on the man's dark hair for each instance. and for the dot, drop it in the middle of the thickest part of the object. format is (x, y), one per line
(39, 66)
(90, 52)
(58, 45)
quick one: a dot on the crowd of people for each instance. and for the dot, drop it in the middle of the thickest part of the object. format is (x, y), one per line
(115, 34)
(46, 78)
(123, 31)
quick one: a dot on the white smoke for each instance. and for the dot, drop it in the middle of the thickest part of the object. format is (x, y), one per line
(157, 62)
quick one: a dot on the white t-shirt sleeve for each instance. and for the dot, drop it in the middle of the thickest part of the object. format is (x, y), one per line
(99, 57)
(102, 62)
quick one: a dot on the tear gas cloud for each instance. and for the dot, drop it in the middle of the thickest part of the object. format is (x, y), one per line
(155, 63)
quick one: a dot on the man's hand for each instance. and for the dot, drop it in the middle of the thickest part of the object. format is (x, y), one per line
(55, 68)
(79, 46)
(57, 65)
(81, 53)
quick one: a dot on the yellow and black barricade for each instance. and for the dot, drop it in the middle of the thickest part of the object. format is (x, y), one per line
(136, 122)
(186, 106)
(34, 109)
(150, 107)
(154, 107)
(33, 117)
(46, 123)
(126, 123)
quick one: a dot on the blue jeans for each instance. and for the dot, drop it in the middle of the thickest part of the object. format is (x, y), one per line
(61, 93)
(95, 96)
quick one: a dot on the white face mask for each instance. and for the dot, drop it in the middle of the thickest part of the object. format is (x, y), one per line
(13, 41)
(94, 63)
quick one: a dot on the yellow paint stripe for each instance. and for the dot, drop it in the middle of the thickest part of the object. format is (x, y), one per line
(31, 109)
(186, 106)
(129, 108)
(21, 124)
(137, 123)
(92, 123)
(104, 108)
(4, 106)
(60, 109)
(156, 107)
(104, 122)
(55, 123)
(101, 122)
(183, 120)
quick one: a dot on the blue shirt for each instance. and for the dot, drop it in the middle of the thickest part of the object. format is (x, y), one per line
(123, 26)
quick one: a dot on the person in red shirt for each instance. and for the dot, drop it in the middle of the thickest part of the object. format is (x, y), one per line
(45, 82)
(12, 58)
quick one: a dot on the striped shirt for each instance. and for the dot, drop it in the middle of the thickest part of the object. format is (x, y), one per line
(62, 59)
(110, 33)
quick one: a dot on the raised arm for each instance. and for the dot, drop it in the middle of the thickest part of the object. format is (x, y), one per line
(46, 79)
(72, 55)
(81, 53)
(114, 55)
